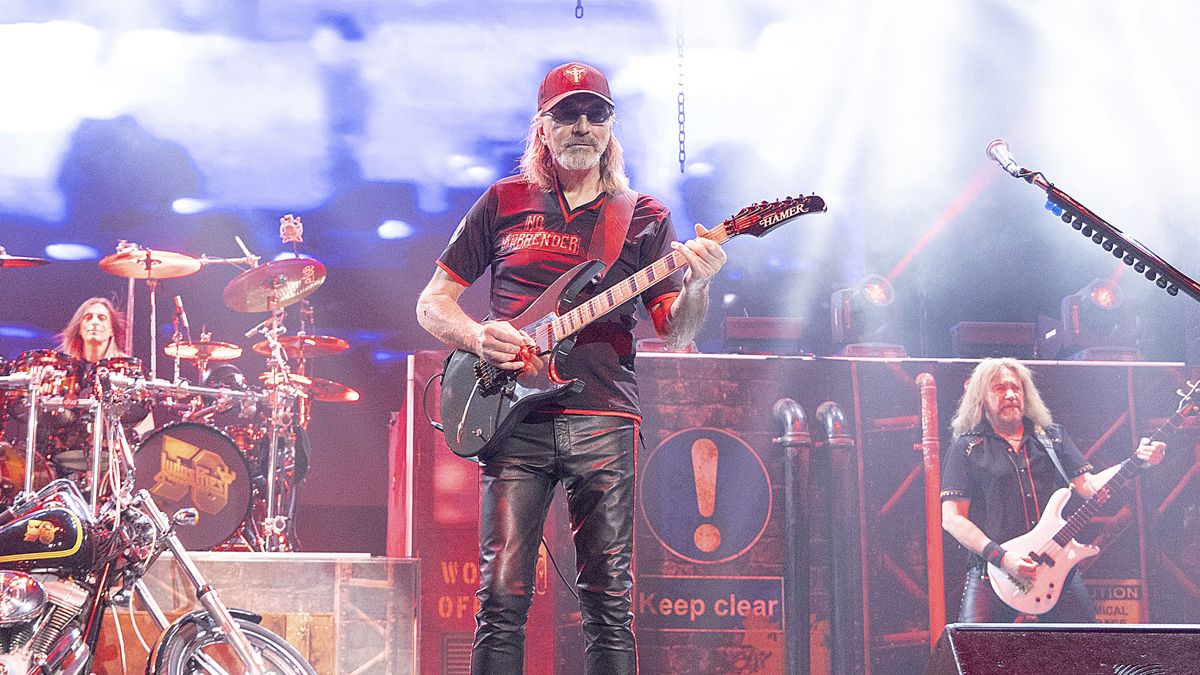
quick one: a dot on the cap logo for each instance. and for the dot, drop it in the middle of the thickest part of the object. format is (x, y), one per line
(576, 73)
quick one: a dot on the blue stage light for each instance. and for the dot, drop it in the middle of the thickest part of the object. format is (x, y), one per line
(394, 229)
(69, 251)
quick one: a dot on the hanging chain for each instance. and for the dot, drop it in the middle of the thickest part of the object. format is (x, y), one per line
(679, 99)
(578, 9)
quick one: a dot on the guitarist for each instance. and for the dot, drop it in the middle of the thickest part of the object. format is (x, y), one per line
(1006, 460)
(529, 229)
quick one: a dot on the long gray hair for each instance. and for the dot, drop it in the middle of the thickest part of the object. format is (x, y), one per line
(970, 407)
(537, 164)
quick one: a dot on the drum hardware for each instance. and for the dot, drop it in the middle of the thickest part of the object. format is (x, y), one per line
(201, 352)
(134, 262)
(206, 349)
(301, 346)
(7, 260)
(247, 259)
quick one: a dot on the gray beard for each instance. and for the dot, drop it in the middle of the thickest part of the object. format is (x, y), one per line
(578, 157)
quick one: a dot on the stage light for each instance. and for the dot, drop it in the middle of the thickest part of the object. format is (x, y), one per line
(394, 229)
(1099, 325)
(71, 251)
(860, 318)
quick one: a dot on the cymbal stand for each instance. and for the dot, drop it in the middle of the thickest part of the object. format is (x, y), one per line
(152, 284)
(123, 246)
(176, 339)
(306, 322)
(275, 525)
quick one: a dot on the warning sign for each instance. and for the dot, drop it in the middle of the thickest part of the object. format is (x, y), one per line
(671, 603)
(1118, 600)
(706, 495)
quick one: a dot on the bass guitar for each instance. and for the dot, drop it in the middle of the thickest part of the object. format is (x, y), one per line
(1051, 543)
(480, 403)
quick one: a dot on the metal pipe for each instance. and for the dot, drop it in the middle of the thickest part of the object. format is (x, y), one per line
(930, 453)
(797, 446)
(847, 653)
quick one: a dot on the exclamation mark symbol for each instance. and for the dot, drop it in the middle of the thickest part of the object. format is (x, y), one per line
(704, 470)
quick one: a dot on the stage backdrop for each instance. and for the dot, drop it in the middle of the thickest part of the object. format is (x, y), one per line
(710, 592)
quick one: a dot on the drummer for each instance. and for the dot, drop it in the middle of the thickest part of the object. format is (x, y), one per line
(95, 332)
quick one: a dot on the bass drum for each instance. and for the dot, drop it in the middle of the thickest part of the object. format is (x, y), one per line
(189, 465)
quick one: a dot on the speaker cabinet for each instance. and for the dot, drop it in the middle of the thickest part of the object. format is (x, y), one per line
(1066, 649)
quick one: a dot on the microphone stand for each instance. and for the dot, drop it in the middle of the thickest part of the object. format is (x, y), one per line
(1106, 235)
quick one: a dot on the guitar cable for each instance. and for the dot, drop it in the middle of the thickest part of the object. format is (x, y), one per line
(558, 570)
(425, 402)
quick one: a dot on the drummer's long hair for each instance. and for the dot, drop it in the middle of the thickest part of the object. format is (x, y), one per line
(537, 164)
(72, 339)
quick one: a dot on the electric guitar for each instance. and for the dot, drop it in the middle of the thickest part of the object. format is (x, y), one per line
(480, 403)
(1051, 543)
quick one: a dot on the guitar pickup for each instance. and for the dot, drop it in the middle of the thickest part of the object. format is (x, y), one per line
(1042, 559)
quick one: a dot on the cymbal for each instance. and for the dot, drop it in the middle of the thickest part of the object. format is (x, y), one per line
(270, 379)
(203, 351)
(328, 390)
(296, 346)
(147, 263)
(316, 388)
(7, 260)
(276, 284)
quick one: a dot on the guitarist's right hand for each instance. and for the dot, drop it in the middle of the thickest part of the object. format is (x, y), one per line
(1021, 566)
(500, 344)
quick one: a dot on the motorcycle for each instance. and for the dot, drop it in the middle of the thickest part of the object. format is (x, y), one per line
(62, 567)
(64, 562)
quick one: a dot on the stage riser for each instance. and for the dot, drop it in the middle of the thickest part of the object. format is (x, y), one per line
(342, 613)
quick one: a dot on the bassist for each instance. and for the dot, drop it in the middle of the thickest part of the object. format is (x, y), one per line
(997, 478)
(529, 229)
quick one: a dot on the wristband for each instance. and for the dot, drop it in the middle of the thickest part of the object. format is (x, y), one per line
(994, 553)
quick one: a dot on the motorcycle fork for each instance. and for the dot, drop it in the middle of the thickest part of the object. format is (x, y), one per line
(206, 595)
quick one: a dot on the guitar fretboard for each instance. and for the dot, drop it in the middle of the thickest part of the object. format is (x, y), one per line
(1129, 469)
(575, 320)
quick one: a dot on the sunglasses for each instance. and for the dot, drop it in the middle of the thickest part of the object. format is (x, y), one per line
(597, 113)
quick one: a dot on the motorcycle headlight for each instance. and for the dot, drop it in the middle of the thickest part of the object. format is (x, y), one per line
(21, 597)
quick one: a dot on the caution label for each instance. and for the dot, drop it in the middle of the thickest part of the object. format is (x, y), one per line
(1118, 600)
(670, 603)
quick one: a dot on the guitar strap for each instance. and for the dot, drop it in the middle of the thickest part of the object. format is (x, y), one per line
(612, 224)
(1049, 438)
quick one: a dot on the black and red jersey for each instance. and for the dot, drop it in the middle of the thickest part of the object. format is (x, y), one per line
(529, 237)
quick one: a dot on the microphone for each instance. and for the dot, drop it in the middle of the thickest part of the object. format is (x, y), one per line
(182, 314)
(997, 150)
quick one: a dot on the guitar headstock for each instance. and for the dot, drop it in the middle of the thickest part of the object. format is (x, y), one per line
(759, 219)
(1189, 406)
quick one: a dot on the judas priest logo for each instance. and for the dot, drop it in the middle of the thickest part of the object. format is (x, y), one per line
(185, 467)
(42, 531)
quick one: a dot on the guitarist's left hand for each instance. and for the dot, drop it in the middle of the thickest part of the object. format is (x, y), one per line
(704, 257)
(1151, 452)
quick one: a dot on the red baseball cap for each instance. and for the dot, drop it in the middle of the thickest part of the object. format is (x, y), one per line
(570, 79)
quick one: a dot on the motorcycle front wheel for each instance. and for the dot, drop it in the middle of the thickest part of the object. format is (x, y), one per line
(200, 648)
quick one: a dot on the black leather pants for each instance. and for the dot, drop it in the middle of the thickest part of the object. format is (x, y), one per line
(593, 457)
(980, 604)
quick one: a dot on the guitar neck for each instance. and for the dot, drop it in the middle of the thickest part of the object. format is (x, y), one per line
(575, 320)
(1084, 514)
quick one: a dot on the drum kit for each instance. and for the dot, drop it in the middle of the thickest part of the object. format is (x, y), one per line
(232, 448)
